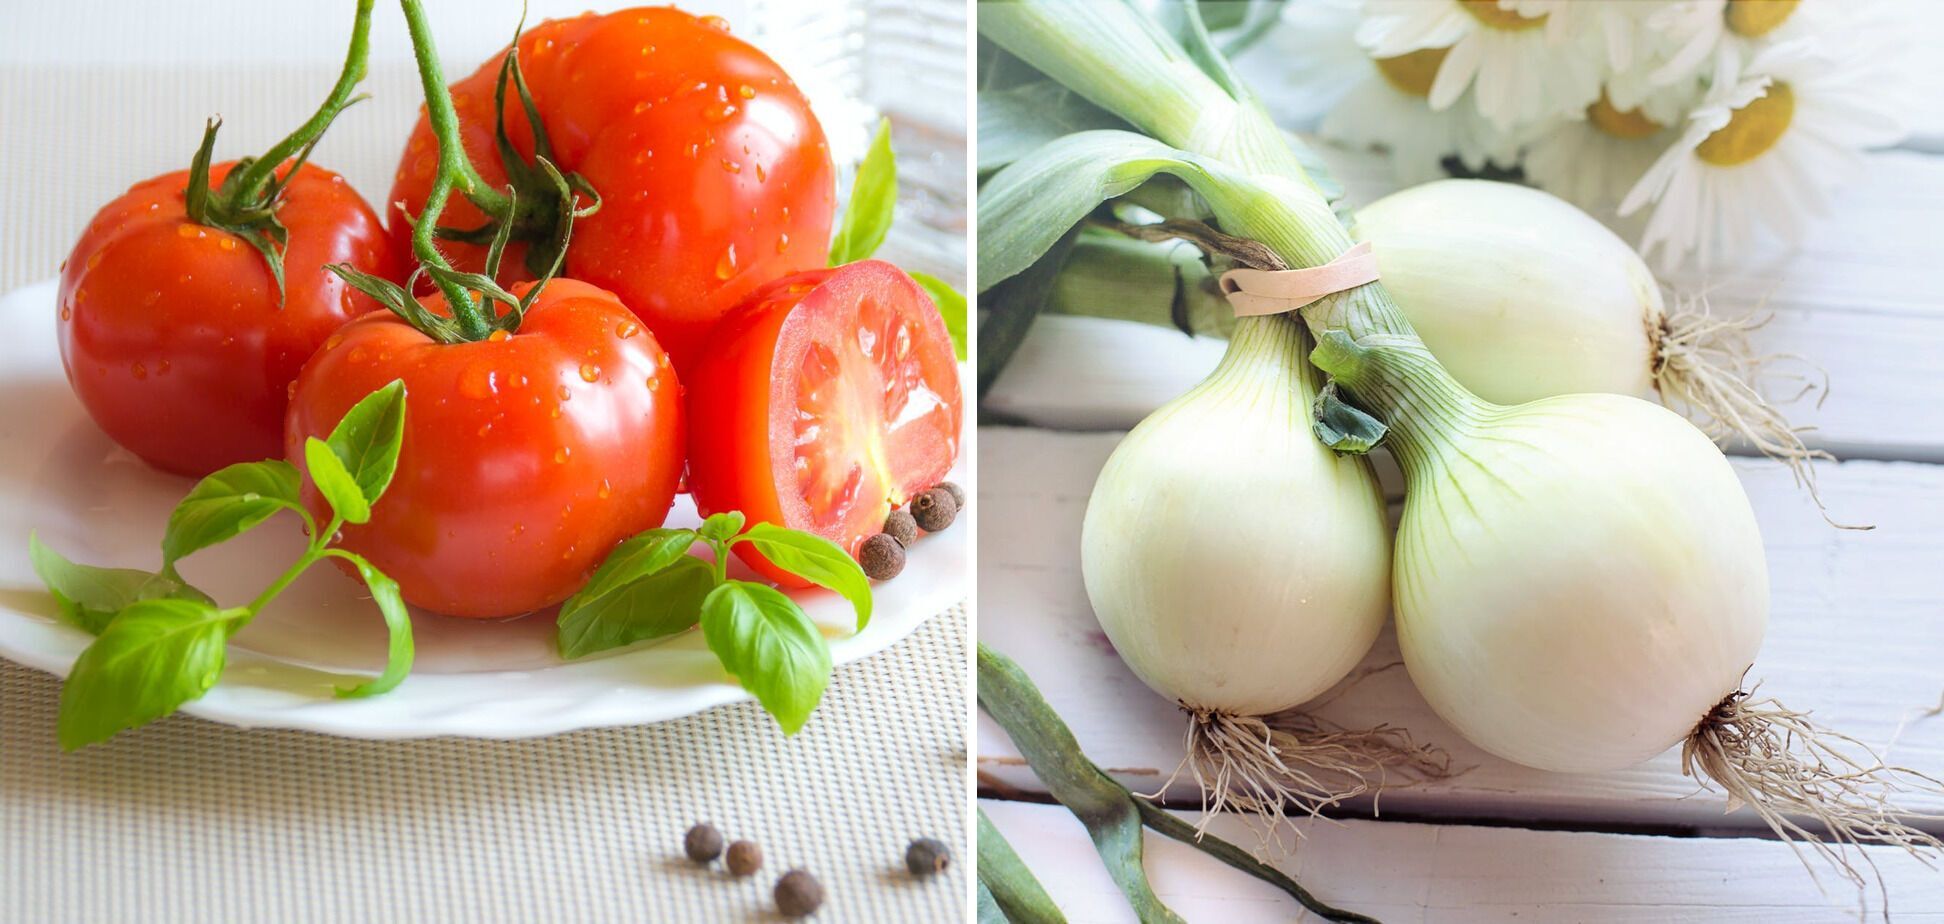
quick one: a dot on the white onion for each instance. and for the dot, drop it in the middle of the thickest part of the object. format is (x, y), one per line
(1519, 294)
(1236, 564)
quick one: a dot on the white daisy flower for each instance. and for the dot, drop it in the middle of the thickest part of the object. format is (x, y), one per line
(1716, 38)
(1762, 152)
(1389, 110)
(1593, 162)
(1616, 25)
(1517, 70)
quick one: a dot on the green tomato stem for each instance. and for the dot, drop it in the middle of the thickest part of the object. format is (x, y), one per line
(455, 169)
(259, 172)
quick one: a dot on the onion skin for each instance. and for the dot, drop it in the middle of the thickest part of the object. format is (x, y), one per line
(1235, 563)
(1579, 580)
(1518, 294)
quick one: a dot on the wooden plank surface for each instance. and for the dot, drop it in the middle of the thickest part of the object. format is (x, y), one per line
(1855, 633)
(1408, 873)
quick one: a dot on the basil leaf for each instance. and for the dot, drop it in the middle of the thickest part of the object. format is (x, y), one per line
(89, 597)
(398, 621)
(367, 439)
(951, 307)
(335, 482)
(722, 527)
(228, 503)
(635, 558)
(814, 559)
(874, 196)
(762, 636)
(658, 605)
(153, 657)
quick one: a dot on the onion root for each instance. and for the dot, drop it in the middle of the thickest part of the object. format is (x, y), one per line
(1795, 773)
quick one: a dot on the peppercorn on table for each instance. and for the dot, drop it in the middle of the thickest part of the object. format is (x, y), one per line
(1855, 631)
(190, 820)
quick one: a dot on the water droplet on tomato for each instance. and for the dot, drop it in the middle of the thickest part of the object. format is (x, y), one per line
(358, 355)
(227, 243)
(485, 429)
(188, 230)
(94, 260)
(761, 174)
(605, 489)
(746, 91)
(565, 395)
(641, 156)
(140, 371)
(719, 111)
(561, 454)
(590, 372)
(478, 382)
(331, 342)
(726, 265)
(66, 312)
(162, 368)
(731, 165)
(654, 383)
(782, 242)
(716, 22)
(626, 329)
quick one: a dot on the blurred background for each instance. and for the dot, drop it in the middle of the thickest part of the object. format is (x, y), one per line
(133, 91)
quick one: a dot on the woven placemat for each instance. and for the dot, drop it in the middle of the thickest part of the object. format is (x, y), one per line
(188, 820)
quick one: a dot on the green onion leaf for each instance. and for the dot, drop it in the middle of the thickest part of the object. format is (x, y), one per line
(814, 559)
(762, 637)
(154, 656)
(1006, 879)
(873, 198)
(227, 503)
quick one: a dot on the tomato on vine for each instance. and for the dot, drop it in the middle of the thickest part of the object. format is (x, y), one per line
(712, 175)
(191, 300)
(544, 425)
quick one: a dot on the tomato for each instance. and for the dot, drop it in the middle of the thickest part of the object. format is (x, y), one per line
(527, 457)
(714, 176)
(171, 331)
(827, 399)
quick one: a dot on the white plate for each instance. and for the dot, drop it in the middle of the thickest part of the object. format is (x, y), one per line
(96, 503)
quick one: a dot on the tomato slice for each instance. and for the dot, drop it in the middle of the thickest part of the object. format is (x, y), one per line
(824, 400)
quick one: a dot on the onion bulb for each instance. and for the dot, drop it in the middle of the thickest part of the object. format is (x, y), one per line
(1238, 566)
(1522, 296)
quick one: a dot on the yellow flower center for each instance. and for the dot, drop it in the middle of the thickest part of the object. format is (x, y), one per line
(1491, 15)
(1751, 130)
(1629, 124)
(1413, 71)
(1754, 18)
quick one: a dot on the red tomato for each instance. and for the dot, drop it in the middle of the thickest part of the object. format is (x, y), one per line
(526, 459)
(828, 398)
(171, 332)
(714, 175)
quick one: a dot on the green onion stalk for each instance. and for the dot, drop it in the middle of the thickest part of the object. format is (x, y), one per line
(1579, 583)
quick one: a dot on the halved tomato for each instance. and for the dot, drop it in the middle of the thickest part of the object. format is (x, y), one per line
(824, 400)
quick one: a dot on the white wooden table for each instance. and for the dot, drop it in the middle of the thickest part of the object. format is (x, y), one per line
(1856, 631)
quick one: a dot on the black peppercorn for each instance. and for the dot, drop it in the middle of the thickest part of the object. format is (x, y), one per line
(934, 510)
(744, 858)
(958, 493)
(925, 857)
(702, 843)
(798, 894)
(882, 557)
(900, 526)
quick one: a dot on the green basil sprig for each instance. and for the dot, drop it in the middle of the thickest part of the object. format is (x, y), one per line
(160, 642)
(650, 587)
(867, 220)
